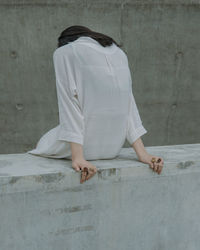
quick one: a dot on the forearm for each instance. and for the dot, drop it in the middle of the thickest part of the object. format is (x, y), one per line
(139, 148)
(76, 150)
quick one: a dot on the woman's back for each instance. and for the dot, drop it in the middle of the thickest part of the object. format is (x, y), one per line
(96, 105)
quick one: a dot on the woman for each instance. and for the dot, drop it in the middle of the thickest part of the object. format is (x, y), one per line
(97, 109)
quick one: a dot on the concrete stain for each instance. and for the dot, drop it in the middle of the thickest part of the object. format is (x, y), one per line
(19, 106)
(80, 188)
(14, 179)
(67, 209)
(73, 230)
(47, 178)
(185, 164)
(102, 173)
(112, 171)
(13, 54)
(74, 209)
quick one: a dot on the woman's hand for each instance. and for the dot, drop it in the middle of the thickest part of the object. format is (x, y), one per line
(85, 167)
(145, 157)
(157, 166)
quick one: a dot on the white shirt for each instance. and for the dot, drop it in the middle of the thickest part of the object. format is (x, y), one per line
(96, 105)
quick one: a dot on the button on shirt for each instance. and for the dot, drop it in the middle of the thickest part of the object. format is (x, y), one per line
(96, 105)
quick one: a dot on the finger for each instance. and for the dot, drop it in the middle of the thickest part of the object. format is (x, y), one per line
(159, 169)
(91, 173)
(159, 160)
(155, 166)
(89, 176)
(76, 169)
(83, 176)
(151, 165)
(161, 164)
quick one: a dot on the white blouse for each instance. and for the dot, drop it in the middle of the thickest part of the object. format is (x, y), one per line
(96, 105)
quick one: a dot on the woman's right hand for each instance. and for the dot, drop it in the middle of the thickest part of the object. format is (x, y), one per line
(157, 166)
(80, 165)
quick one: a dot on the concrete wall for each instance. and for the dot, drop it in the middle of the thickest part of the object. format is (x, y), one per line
(125, 206)
(161, 38)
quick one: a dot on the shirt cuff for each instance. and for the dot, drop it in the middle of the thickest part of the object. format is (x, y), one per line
(64, 135)
(131, 138)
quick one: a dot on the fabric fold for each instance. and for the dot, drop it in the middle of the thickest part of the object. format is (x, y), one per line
(70, 114)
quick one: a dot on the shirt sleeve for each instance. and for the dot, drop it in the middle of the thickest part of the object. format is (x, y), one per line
(135, 128)
(71, 119)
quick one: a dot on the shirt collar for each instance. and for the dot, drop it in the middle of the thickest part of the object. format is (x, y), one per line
(96, 45)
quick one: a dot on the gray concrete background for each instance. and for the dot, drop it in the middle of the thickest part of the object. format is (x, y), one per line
(161, 39)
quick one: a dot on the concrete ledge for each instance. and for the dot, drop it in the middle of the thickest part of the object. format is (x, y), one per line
(125, 206)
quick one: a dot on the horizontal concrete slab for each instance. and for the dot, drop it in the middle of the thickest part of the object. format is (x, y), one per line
(25, 171)
(124, 206)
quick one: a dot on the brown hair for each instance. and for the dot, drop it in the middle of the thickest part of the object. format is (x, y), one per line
(74, 32)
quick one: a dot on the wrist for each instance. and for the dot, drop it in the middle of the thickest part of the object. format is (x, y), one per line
(77, 158)
(142, 153)
(141, 157)
(77, 151)
(139, 148)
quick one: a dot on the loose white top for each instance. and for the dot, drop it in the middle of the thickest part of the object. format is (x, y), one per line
(96, 105)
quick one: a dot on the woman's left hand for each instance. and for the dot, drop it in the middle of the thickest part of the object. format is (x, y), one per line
(156, 166)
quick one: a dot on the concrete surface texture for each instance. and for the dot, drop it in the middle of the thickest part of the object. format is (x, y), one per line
(124, 206)
(161, 39)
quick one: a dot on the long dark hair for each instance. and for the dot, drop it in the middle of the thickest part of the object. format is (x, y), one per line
(74, 32)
